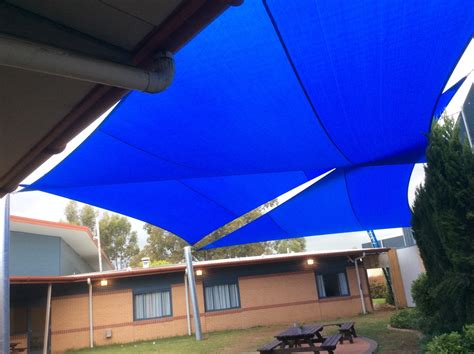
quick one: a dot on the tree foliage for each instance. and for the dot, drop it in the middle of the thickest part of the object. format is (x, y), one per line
(290, 245)
(88, 217)
(117, 239)
(72, 213)
(443, 225)
(163, 246)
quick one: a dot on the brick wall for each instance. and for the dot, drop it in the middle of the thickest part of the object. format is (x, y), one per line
(265, 299)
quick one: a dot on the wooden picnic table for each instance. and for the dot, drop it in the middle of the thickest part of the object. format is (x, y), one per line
(14, 349)
(295, 336)
(346, 329)
(17, 350)
(301, 339)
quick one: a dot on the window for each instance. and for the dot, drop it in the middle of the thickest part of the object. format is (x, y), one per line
(152, 304)
(332, 284)
(221, 297)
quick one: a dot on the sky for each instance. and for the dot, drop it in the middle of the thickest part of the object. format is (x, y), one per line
(45, 206)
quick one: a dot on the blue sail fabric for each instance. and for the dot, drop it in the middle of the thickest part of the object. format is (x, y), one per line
(190, 208)
(344, 201)
(269, 95)
(447, 97)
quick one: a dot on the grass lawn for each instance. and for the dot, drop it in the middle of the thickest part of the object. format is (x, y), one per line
(379, 301)
(373, 326)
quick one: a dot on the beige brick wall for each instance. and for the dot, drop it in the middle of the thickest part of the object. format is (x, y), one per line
(269, 299)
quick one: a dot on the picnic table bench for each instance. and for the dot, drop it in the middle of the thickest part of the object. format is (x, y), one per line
(278, 346)
(14, 349)
(301, 339)
(347, 331)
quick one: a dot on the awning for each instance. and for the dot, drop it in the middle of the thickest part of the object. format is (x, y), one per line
(269, 95)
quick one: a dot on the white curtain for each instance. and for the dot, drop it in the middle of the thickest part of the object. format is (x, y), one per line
(321, 287)
(343, 284)
(151, 305)
(220, 297)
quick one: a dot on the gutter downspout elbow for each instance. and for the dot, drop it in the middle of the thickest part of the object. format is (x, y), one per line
(163, 73)
(38, 57)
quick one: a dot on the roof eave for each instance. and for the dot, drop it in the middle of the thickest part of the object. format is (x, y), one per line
(181, 267)
(187, 21)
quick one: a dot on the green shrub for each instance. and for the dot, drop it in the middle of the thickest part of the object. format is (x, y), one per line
(451, 343)
(378, 287)
(469, 337)
(389, 296)
(407, 318)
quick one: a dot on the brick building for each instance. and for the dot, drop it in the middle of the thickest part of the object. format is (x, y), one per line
(148, 303)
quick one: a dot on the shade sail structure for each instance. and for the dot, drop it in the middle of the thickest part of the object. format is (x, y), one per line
(344, 201)
(269, 95)
(446, 97)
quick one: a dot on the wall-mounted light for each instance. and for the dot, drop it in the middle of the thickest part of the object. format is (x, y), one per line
(104, 282)
(310, 261)
(199, 272)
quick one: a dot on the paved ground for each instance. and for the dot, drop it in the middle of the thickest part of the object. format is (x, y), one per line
(361, 345)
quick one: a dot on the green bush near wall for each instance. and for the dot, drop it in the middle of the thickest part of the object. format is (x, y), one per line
(407, 318)
(453, 343)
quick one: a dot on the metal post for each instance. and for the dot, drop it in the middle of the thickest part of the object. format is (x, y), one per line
(188, 310)
(46, 320)
(99, 246)
(364, 310)
(5, 273)
(192, 289)
(91, 324)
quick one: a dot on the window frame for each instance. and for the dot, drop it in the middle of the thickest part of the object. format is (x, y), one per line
(332, 272)
(233, 282)
(151, 291)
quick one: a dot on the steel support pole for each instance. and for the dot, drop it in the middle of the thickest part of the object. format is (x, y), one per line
(46, 320)
(5, 273)
(192, 290)
(91, 319)
(362, 301)
(188, 310)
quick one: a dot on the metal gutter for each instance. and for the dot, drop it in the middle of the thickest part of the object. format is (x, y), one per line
(181, 267)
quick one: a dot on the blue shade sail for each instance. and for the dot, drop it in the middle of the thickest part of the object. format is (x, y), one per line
(344, 201)
(269, 95)
(190, 208)
(446, 97)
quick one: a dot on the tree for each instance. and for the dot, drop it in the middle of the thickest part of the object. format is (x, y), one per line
(71, 211)
(290, 245)
(162, 245)
(88, 217)
(85, 216)
(117, 239)
(443, 225)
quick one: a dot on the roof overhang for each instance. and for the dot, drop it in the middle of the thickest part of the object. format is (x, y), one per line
(79, 238)
(220, 263)
(41, 113)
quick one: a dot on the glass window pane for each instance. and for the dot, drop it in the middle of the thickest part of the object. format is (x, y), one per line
(152, 305)
(221, 297)
(343, 284)
(321, 287)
